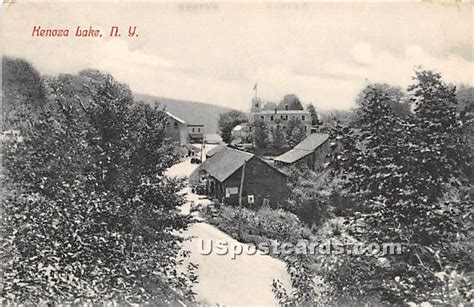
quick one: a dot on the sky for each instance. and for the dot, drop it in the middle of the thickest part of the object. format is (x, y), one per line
(324, 53)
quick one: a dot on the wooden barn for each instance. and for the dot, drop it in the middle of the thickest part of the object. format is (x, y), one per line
(312, 151)
(230, 174)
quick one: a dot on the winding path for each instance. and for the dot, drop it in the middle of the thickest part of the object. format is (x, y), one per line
(244, 281)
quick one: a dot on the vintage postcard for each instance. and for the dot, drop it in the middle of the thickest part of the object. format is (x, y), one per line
(248, 153)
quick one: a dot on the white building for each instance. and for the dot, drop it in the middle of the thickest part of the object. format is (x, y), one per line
(276, 116)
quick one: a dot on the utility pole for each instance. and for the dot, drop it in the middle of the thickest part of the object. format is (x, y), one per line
(240, 200)
(202, 145)
(241, 185)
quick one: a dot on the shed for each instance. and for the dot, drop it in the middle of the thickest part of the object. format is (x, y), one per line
(313, 151)
(262, 183)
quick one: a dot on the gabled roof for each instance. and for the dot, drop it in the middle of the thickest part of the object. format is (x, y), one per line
(214, 150)
(175, 117)
(306, 147)
(312, 141)
(225, 162)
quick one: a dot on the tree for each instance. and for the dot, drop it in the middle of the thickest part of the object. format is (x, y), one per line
(411, 183)
(295, 132)
(227, 121)
(278, 136)
(465, 107)
(260, 134)
(397, 101)
(314, 115)
(22, 91)
(290, 102)
(89, 214)
(330, 119)
(270, 106)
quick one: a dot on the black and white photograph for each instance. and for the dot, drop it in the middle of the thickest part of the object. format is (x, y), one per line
(245, 153)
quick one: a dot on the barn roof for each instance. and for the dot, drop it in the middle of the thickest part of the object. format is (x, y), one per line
(225, 162)
(214, 150)
(306, 147)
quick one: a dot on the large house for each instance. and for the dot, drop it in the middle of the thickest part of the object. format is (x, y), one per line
(196, 133)
(182, 133)
(176, 130)
(275, 117)
(312, 151)
(230, 174)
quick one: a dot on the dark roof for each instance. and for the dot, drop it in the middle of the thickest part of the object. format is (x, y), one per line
(225, 162)
(306, 147)
(213, 138)
(214, 150)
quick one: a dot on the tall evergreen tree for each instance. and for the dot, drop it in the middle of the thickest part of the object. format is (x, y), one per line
(314, 115)
(295, 132)
(260, 134)
(278, 136)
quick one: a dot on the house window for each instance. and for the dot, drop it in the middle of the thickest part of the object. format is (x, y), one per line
(303, 117)
(193, 129)
(305, 128)
(175, 125)
(199, 129)
(262, 117)
(271, 117)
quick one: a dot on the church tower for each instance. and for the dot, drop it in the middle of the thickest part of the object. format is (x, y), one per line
(256, 105)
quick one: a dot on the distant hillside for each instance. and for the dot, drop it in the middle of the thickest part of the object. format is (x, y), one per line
(190, 111)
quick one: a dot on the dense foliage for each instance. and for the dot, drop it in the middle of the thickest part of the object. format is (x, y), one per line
(290, 102)
(278, 135)
(314, 115)
(227, 122)
(410, 176)
(260, 134)
(89, 214)
(22, 91)
(295, 132)
(311, 195)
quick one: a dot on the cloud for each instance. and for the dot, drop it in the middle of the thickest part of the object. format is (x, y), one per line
(323, 53)
(362, 53)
